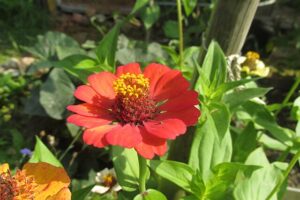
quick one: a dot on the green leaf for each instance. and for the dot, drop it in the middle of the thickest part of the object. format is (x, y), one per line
(190, 60)
(82, 193)
(243, 96)
(139, 4)
(80, 66)
(225, 87)
(224, 176)
(150, 15)
(189, 6)
(296, 109)
(42, 154)
(245, 143)
(151, 194)
(221, 117)
(126, 167)
(208, 150)
(107, 47)
(57, 93)
(179, 173)
(272, 143)
(257, 157)
(53, 46)
(33, 105)
(261, 116)
(214, 67)
(261, 182)
(170, 29)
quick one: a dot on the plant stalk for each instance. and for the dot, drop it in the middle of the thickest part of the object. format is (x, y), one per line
(70, 145)
(288, 96)
(142, 174)
(285, 175)
(180, 33)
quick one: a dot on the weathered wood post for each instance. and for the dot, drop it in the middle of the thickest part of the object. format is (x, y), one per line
(230, 24)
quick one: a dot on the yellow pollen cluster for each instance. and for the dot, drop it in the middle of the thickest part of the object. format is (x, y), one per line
(251, 55)
(131, 85)
(17, 187)
(108, 180)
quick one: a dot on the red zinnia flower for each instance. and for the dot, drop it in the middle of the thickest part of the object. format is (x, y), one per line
(134, 109)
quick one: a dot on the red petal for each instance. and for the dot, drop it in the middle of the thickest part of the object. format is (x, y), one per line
(87, 122)
(189, 115)
(185, 100)
(167, 129)
(133, 68)
(150, 145)
(90, 110)
(161, 150)
(126, 136)
(87, 94)
(102, 83)
(169, 85)
(154, 72)
(95, 136)
(148, 151)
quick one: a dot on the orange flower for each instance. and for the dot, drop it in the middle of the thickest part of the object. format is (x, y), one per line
(36, 181)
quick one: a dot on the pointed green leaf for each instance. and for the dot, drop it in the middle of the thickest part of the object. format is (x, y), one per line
(42, 154)
(189, 6)
(107, 48)
(150, 15)
(208, 150)
(243, 96)
(213, 68)
(80, 66)
(225, 87)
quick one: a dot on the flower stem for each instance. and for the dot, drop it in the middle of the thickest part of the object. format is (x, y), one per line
(180, 33)
(70, 145)
(143, 173)
(288, 96)
(285, 175)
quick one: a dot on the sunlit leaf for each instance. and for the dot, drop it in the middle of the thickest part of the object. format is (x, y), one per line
(42, 154)
(151, 194)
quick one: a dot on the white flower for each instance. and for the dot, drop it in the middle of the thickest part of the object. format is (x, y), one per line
(106, 180)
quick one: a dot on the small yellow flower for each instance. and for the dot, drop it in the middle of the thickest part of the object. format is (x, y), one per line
(36, 181)
(251, 65)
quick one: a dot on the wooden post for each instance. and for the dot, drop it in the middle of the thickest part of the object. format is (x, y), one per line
(230, 24)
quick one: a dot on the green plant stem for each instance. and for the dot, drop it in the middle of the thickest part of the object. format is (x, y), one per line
(180, 31)
(70, 145)
(285, 175)
(288, 96)
(142, 174)
(284, 154)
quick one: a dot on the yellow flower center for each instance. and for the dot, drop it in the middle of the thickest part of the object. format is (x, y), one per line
(17, 187)
(250, 62)
(109, 180)
(252, 55)
(133, 103)
(131, 85)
